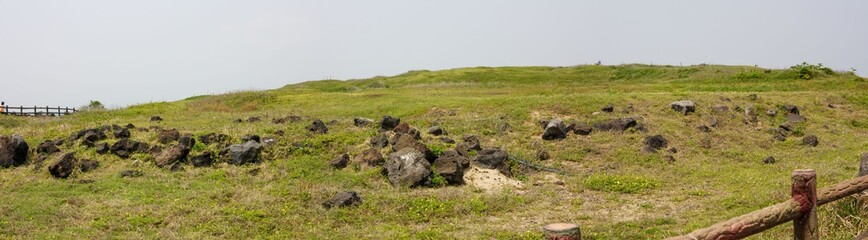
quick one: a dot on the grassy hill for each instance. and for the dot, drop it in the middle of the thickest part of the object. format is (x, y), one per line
(611, 188)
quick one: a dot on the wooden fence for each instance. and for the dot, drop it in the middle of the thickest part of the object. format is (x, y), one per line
(801, 209)
(38, 111)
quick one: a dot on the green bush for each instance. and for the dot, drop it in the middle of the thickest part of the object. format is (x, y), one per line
(810, 71)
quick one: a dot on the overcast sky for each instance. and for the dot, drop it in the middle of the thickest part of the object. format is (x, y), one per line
(128, 52)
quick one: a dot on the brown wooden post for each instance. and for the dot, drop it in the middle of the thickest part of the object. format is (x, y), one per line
(804, 191)
(562, 231)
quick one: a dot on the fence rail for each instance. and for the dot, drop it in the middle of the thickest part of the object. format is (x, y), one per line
(37, 110)
(801, 209)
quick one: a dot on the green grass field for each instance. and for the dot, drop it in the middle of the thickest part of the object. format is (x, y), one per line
(611, 189)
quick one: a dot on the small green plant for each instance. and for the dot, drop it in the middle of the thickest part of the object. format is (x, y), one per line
(810, 71)
(424, 209)
(621, 184)
(438, 180)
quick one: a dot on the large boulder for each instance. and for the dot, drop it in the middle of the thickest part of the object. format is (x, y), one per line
(654, 143)
(408, 168)
(187, 140)
(863, 164)
(555, 129)
(493, 159)
(407, 141)
(618, 125)
(684, 107)
(402, 128)
(245, 153)
(13, 151)
(317, 126)
(343, 199)
(173, 155)
(64, 166)
(120, 132)
(389, 123)
(362, 122)
(451, 166)
(371, 157)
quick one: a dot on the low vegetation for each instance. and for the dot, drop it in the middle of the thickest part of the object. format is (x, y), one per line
(606, 182)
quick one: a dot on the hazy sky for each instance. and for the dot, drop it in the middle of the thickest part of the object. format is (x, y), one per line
(127, 52)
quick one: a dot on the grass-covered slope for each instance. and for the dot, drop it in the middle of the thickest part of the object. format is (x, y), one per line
(612, 189)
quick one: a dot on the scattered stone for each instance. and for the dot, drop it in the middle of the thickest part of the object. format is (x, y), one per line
(173, 155)
(131, 173)
(88, 165)
(389, 123)
(769, 160)
(620, 125)
(290, 119)
(771, 113)
(317, 126)
(810, 140)
(542, 155)
(654, 143)
(254, 119)
(720, 108)
(795, 118)
(608, 108)
(787, 126)
(863, 164)
(752, 97)
(792, 109)
(704, 128)
(167, 136)
(187, 140)
(340, 161)
(713, 122)
(48, 147)
(447, 140)
(238, 120)
(177, 167)
(555, 130)
(582, 129)
(102, 148)
(472, 142)
(493, 159)
(87, 143)
(362, 122)
(436, 131)
(370, 157)
(245, 153)
(254, 172)
(279, 133)
(780, 135)
(251, 137)
(64, 166)
(669, 159)
(379, 141)
(156, 119)
(683, 107)
(451, 166)
(202, 160)
(408, 168)
(130, 126)
(750, 114)
(402, 128)
(673, 150)
(124, 147)
(343, 199)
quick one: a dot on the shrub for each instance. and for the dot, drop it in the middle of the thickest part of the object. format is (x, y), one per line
(810, 71)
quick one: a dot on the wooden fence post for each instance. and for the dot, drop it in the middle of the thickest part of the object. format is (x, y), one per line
(562, 231)
(804, 191)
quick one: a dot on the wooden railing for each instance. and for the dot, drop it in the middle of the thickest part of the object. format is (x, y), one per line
(801, 209)
(37, 111)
